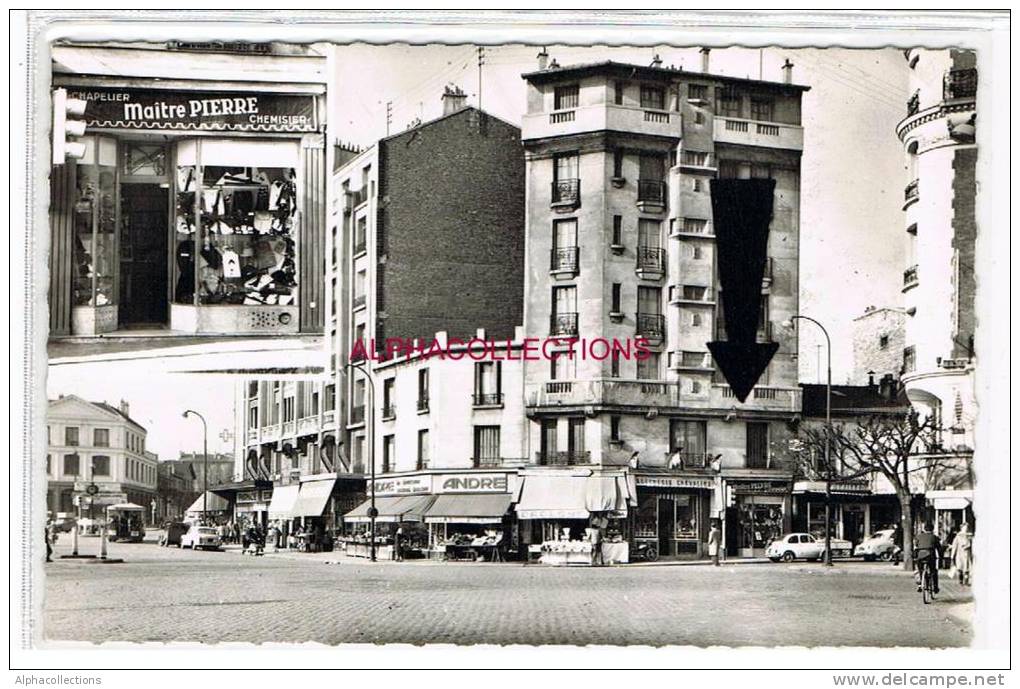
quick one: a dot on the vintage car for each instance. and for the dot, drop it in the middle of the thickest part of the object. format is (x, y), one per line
(201, 537)
(878, 546)
(172, 532)
(804, 546)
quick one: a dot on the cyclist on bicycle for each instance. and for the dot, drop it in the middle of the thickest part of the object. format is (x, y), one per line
(927, 550)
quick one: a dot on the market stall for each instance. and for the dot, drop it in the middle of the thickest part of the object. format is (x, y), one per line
(468, 526)
(399, 518)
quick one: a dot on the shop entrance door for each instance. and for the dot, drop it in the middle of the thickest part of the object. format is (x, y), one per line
(667, 526)
(853, 523)
(143, 255)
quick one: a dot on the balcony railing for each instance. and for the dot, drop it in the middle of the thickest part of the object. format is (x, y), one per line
(959, 83)
(562, 458)
(651, 326)
(566, 192)
(702, 159)
(910, 276)
(911, 193)
(656, 116)
(359, 247)
(651, 191)
(563, 324)
(564, 116)
(645, 394)
(651, 259)
(389, 412)
(423, 404)
(487, 399)
(564, 259)
(736, 125)
(358, 301)
(687, 460)
(495, 462)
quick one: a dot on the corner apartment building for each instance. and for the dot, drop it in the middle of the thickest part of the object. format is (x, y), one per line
(938, 282)
(94, 442)
(620, 163)
(426, 243)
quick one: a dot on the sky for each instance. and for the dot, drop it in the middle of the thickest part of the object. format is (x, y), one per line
(852, 171)
(853, 175)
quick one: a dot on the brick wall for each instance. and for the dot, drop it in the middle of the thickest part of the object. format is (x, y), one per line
(451, 229)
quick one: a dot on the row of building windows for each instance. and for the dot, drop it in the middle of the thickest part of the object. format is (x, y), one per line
(290, 407)
(729, 101)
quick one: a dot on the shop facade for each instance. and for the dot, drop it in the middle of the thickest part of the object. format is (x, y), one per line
(759, 510)
(855, 512)
(673, 512)
(199, 204)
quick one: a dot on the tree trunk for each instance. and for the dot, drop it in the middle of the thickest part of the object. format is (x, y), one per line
(907, 524)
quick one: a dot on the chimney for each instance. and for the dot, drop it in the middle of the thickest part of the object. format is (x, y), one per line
(871, 379)
(554, 64)
(656, 60)
(543, 59)
(454, 100)
(125, 408)
(704, 59)
(787, 72)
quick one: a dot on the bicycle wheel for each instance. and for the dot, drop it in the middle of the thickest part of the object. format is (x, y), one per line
(926, 586)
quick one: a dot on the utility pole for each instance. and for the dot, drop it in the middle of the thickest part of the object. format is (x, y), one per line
(481, 61)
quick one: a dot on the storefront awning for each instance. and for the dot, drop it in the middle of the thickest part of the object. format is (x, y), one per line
(472, 508)
(572, 497)
(407, 508)
(215, 503)
(312, 498)
(282, 504)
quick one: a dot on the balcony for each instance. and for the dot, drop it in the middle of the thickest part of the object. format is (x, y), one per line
(692, 362)
(359, 247)
(562, 459)
(732, 130)
(487, 400)
(959, 84)
(609, 391)
(389, 412)
(498, 462)
(692, 228)
(911, 194)
(308, 425)
(651, 326)
(771, 398)
(271, 432)
(563, 324)
(602, 117)
(565, 194)
(355, 199)
(563, 261)
(691, 295)
(422, 405)
(358, 302)
(688, 460)
(910, 278)
(651, 262)
(697, 161)
(651, 195)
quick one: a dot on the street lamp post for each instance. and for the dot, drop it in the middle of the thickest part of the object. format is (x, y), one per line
(205, 462)
(828, 430)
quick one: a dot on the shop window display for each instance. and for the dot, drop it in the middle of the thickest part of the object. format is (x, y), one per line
(95, 225)
(235, 230)
(760, 524)
(816, 520)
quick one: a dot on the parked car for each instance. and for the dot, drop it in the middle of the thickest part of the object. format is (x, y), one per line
(172, 532)
(878, 546)
(201, 537)
(804, 546)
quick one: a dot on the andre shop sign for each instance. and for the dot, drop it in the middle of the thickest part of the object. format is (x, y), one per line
(197, 110)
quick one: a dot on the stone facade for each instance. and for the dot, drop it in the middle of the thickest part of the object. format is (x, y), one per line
(878, 340)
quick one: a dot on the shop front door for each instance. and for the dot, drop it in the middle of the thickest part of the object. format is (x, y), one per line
(143, 255)
(853, 523)
(667, 526)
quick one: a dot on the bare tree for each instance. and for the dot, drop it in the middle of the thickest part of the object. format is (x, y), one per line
(905, 448)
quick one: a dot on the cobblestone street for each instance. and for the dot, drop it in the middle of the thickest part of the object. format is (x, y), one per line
(167, 595)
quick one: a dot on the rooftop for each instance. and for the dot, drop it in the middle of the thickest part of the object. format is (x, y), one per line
(624, 69)
(851, 399)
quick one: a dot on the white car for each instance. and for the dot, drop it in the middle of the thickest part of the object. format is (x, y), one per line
(880, 545)
(201, 537)
(804, 546)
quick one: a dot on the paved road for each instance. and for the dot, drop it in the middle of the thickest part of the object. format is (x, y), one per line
(172, 595)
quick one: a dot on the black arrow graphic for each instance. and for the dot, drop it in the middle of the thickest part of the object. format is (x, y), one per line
(741, 213)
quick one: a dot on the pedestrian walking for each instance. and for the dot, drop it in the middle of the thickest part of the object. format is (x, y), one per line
(49, 548)
(398, 544)
(714, 542)
(961, 554)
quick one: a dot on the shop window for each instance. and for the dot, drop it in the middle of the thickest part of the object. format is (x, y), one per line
(94, 256)
(100, 465)
(761, 522)
(101, 437)
(646, 522)
(234, 230)
(71, 436)
(687, 521)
